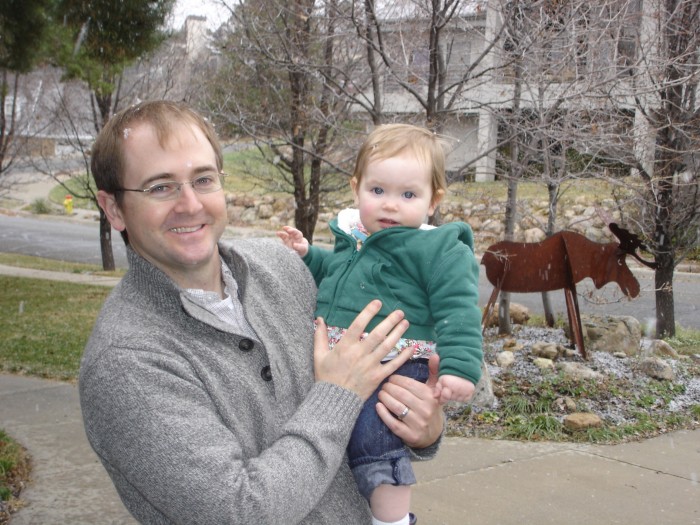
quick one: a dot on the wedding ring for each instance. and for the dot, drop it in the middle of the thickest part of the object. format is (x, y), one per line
(403, 414)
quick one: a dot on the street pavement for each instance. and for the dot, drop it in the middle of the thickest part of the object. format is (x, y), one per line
(472, 481)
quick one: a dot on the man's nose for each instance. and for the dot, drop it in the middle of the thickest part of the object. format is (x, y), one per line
(188, 199)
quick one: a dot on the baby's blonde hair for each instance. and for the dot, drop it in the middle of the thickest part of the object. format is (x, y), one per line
(390, 140)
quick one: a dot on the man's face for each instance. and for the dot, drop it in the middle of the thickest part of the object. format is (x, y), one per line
(178, 236)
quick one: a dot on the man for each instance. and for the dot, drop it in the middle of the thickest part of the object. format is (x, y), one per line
(200, 391)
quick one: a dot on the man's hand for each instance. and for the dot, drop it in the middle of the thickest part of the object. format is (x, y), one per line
(293, 239)
(355, 363)
(422, 425)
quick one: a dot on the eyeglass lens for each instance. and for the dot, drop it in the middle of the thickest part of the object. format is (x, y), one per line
(208, 183)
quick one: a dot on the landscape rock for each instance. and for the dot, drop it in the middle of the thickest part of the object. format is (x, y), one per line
(265, 211)
(657, 368)
(543, 363)
(512, 345)
(582, 420)
(505, 359)
(578, 371)
(659, 348)
(534, 235)
(544, 349)
(483, 392)
(519, 314)
(565, 404)
(612, 334)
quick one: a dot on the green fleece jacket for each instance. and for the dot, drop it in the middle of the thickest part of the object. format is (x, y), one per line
(430, 274)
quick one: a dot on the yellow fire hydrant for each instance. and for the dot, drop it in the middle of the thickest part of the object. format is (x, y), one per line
(68, 204)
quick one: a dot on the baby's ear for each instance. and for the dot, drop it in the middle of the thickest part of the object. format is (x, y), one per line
(437, 199)
(353, 185)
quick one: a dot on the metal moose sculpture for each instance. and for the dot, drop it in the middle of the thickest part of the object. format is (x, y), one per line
(561, 261)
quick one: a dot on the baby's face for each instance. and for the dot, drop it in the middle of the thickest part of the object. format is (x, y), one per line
(394, 192)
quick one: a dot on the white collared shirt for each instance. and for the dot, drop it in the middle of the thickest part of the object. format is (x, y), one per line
(229, 309)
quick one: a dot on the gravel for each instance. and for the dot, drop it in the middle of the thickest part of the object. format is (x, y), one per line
(618, 398)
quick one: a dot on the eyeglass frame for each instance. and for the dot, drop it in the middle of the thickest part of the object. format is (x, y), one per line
(176, 194)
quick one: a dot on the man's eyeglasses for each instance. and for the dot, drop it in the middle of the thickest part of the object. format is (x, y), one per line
(170, 189)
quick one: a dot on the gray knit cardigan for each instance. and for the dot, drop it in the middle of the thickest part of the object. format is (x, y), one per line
(196, 424)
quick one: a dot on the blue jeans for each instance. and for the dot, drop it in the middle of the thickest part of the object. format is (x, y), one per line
(377, 456)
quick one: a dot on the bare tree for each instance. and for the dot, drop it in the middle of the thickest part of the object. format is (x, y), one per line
(433, 51)
(667, 108)
(300, 81)
(282, 85)
(610, 87)
(537, 58)
(648, 123)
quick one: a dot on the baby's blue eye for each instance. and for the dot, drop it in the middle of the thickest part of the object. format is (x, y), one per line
(377, 191)
(409, 195)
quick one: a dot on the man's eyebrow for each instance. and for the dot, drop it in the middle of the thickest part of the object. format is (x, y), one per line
(166, 176)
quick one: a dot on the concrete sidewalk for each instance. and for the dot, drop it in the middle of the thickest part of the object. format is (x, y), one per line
(473, 481)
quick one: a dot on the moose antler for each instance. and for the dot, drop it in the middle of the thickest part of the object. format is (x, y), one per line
(630, 243)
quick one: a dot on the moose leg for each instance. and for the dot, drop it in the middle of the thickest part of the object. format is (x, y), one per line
(547, 305)
(575, 319)
(489, 308)
(570, 317)
(579, 327)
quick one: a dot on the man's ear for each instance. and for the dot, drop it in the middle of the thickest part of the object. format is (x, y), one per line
(437, 199)
(353, 185)
(109, 205)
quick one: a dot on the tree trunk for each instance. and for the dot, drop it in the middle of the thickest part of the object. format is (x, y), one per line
(4, 141)
(7, 125)
(664, 252)
(106, 243)
(301, 211)
(104, 104)
(552, 193)
(504, 322)
(665, 314)
(299, 37)
(370, 23)
(297, 141)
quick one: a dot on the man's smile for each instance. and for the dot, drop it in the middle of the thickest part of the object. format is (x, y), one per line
(187, 229)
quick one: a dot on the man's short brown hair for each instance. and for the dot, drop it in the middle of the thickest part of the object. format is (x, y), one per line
(108, 151)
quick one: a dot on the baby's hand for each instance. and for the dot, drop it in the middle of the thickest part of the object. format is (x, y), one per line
(292, 238)
(453, 388)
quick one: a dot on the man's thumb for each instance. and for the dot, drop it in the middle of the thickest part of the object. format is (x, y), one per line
(433, 367)
(320, 337)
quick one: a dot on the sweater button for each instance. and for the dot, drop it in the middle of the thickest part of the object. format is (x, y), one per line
(246, 345)
(266, 373)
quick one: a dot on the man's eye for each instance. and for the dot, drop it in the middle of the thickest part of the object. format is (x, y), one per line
(160, 189)
(205, 181)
